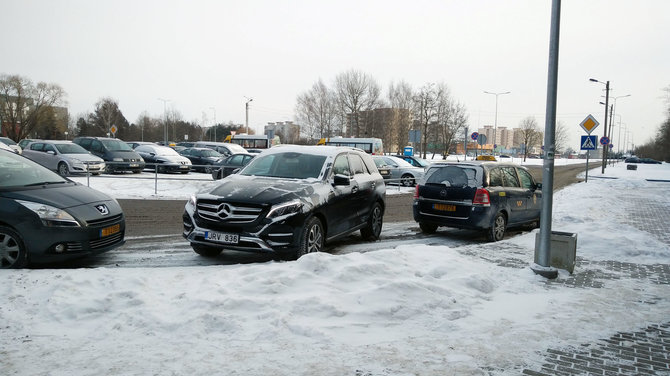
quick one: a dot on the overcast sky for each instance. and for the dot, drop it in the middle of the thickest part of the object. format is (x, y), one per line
(212, 54)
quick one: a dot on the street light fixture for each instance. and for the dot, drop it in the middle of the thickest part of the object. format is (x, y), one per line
(246, 107)
(607, 98)
(495, 124)
(165, 132)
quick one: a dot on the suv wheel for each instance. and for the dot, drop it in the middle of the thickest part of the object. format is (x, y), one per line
(13, 254)
(407, 180)
(62, 169)
(374, 227)
(312, 238)
(203, 250)
(428, 228)
(497, 230)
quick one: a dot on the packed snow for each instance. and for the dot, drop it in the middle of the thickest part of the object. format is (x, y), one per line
(409, 309)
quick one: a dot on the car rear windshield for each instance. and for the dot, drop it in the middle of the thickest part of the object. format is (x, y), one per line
(453, 176)
(291, 165)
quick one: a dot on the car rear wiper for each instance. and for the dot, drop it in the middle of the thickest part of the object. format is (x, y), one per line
(45, 183)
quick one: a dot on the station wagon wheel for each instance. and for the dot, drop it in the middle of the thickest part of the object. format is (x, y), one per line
(407, 180)
(497, 230)
(374, 226)
(312, 238)
(62, 169)
(13, 254)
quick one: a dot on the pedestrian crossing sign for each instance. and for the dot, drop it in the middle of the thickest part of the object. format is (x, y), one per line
(589, 142)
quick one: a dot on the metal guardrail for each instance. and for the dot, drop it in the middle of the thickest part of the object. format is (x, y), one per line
(155, 178)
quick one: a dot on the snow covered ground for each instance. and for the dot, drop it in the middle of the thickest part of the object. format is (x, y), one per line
(406, 310)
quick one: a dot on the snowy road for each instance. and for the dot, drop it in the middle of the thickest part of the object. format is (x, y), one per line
(174, 251)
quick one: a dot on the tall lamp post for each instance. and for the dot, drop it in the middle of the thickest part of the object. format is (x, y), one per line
(495, 124)
(165, 134)
(607, 99)
(614, 109)
(214, 109)
(246, 108)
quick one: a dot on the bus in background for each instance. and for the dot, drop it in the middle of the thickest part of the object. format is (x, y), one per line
(251, 141)
(369, 145)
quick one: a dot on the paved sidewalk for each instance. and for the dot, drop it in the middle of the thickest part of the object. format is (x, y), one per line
(642, 352)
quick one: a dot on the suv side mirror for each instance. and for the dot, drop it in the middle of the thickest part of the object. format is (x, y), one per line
(538, 186)
(341, 180)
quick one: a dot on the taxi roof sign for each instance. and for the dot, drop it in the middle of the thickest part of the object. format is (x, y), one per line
(589, 124)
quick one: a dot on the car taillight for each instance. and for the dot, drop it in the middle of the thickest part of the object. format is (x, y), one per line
(481, 197)
(416, 191)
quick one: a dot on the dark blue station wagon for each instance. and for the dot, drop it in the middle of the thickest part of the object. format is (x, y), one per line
(480, 195)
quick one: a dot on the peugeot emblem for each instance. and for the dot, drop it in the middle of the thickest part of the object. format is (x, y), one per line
(102, 209)
(443, 193)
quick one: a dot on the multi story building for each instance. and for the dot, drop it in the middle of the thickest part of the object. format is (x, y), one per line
(288, 132)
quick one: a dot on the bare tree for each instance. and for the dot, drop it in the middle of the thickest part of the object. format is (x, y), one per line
(401, 100)
(560, 137)
(23, 104)
(530, 134)
(316, 110)
(425, 108)
(356, 92)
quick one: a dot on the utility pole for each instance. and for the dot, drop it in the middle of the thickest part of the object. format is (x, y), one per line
(607, 101)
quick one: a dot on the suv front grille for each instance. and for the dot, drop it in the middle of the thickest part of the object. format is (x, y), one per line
(226, 212)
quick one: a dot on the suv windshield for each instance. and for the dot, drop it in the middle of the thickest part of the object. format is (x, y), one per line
(291, 165)
(16, 171)
(70, 149)
(116, 145)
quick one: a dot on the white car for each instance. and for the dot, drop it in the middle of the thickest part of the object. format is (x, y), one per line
(65, 157)
(11, 144)
(4, 146)
(163, 159)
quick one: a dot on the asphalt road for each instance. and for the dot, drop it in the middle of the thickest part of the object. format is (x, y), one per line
(163, 217)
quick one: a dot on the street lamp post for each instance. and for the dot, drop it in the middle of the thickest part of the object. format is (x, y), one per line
(607, 98)
(495, 124)
(614, 109)
(246, 107)
(165, 131)
(214, 109)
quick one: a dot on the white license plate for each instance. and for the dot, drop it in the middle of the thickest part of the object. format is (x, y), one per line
(221, 237)
(134, 165)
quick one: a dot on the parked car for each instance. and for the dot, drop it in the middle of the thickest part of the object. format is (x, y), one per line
(202, 159)
(414, 161)
(481, 195)
(118, 156)
(163, 158)
(650, 161)
(383, 169)
(25, 141)
(12, 144)
(228, 165)
(6, 147)
(401, 171)
(65, 157)
(225, 148)
(632, 160)
(289, 201)
(45, 217)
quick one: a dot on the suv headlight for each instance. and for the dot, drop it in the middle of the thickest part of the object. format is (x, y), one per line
(50, 215)
(285, 209)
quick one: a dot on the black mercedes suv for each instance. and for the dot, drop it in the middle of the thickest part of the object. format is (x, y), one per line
(289, 201)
